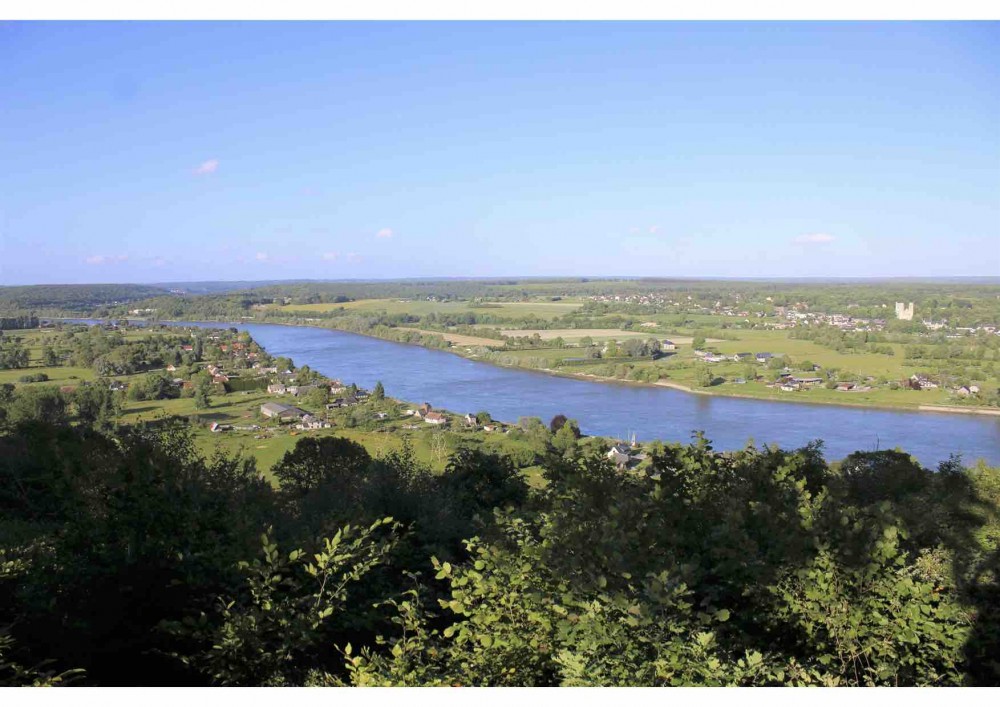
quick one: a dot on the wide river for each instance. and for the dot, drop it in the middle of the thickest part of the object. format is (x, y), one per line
(416, 374)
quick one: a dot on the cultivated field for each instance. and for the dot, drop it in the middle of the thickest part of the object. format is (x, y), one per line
(457, 339)
(541, 310)
(595, 334)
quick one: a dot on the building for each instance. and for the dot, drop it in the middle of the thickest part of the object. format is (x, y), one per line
(282, 412)
(276, 389)
(668, 345)
(435, 418)
(904, 312)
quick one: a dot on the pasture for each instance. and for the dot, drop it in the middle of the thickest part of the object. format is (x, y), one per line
(514, 310)
(457, 339)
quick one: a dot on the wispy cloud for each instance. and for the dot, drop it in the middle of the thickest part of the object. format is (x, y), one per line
(331, 255)
(384, 233)
(813, 238)
(105, 259)
(654, 229)
(207, 167)
(262, 257)
(353, 258)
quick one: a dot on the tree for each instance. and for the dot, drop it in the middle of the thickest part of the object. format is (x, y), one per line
(202, 389)
(13, 354)
(557, 422)
(378, 394)
(49, 356)
(40, 404)
(318, 461)
(97, 405)
(704, 376)
(318, 397)
(698, 342)
(565, 438)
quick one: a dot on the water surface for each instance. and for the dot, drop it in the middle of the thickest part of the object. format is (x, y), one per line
(416, 374)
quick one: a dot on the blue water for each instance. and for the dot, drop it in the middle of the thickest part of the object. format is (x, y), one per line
(454, 383)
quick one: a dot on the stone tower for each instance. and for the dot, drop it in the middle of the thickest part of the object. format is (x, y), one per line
(904, 312)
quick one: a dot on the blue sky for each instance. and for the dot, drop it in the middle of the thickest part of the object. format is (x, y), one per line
(134, 152)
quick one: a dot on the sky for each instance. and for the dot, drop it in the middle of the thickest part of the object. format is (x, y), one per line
(159, 152)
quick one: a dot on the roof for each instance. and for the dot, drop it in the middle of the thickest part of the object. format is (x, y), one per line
(276, 408)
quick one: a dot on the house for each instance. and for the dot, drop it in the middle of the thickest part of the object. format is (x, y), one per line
(763, 357)
(622, 455)
(342, 402)
(846, 385)
(745, 356)
(171, 368)
(789, 387)
(435, 418)
(424, 408)
(974, 389)
(301, 390)
(963, 392)
(117, 385)
(187, 347)
(668, 345)
(276, 389)
(471, 420)
(282, 412)
(311, 423)
(807, 381)
(922, 382)
(216, 427)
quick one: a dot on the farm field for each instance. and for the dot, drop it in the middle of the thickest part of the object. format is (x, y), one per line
(595, 334)
(458, 339)
(541, 310)
(778, 342)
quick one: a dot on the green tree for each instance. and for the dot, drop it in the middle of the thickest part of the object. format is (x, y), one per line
(49, 356)
(378, 394)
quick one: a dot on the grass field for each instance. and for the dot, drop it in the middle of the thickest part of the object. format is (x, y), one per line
(542, 310)
(574, 335)
(458, 339)
(431, 446)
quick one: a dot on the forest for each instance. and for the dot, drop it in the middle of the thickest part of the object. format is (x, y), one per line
(126, 558)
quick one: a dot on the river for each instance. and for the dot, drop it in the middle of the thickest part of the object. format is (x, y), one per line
(447, 381)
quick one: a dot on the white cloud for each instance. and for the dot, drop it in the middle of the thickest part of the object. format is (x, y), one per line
(815, 238)
(384, 233)
(262, 257)
(353, 258)
(105, 259)
(207, 167)
(654, 229)
(331, 255)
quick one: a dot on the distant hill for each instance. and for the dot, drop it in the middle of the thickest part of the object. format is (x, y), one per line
(73, 297)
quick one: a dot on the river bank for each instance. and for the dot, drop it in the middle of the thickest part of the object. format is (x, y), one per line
(591, 377)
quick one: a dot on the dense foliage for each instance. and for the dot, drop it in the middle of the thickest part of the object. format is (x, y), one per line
(127, 559)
